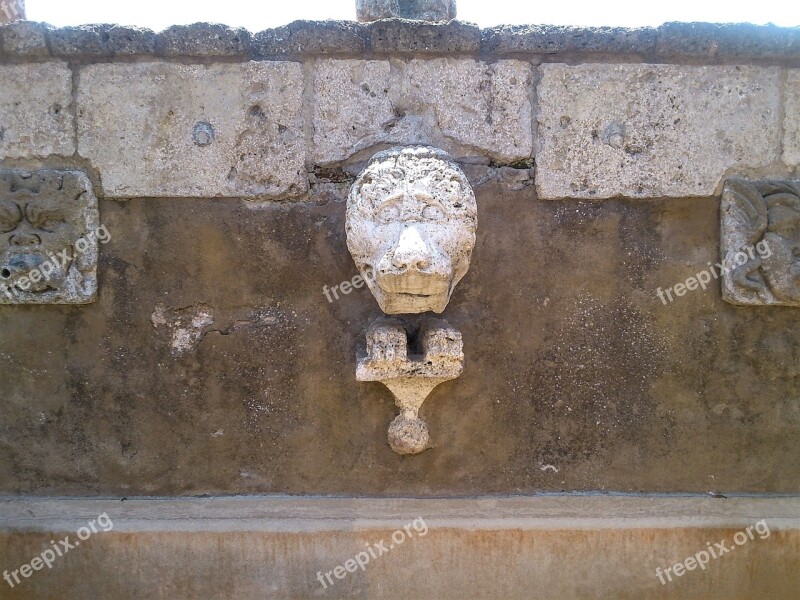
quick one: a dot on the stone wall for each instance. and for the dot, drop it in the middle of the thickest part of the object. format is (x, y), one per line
(212, 360)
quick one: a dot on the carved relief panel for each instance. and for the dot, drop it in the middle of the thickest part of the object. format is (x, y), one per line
(760, 242)
(48, 237)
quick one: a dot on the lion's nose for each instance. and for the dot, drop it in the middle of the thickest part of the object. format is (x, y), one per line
(411, 251)
(25, 239)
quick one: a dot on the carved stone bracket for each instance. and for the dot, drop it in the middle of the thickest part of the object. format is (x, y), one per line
(411, 376)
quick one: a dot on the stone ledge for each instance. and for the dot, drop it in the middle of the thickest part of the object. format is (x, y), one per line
(673, 42)
(531, 547)
(314, 513)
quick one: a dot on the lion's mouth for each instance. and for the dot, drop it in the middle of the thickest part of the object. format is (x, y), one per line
(20, 266)
(414, 283)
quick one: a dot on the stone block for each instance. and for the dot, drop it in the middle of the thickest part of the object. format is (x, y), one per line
(24, 38)
(104, 40)
(194, 130)
(311, 37)
(35, 114)
(791, 123)
(204, 39)
(466, 107)
(554, 39)
(403, 36)
(727, 41)
(646, 131)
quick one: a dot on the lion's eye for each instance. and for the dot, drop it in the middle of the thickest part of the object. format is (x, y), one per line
(389, 213)
(10, 216)
(432, 213)
(46, 221)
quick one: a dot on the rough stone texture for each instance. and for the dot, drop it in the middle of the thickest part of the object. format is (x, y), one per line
(192, 130)
(125, 41)
(35, 113)
(96, 41)
(311, 38)
(80, 41)
(423, 10)
(604, 388)
(652, 131)
(551, 39)
(791, 123)
(403, 36)
(718, 42)
(204, 39)
(760, 238)
(466, 107)
(24, 39)
(49, 227)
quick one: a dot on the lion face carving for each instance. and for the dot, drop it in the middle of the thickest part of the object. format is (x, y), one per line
(411, 220)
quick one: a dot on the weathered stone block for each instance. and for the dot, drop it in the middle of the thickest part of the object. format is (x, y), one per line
(80, 41)
(131, 40)
(311, 37)
(103, 40)
(193, 130)
(467, 107)
(725, 41)
(400, 35)
(653, 131)
(554, 39)
(24, 38)
(35, 115)
(791, 125)
(204, 39)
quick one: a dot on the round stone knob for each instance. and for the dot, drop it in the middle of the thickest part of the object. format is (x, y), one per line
(408, 435)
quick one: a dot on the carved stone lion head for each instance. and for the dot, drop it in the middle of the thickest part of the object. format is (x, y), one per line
(411, 220)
